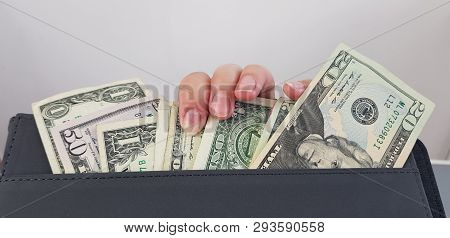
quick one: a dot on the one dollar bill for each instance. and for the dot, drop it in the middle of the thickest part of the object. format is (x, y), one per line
(231, 143)
(128, 146)
(182, 148)
(162, 133)
(354, 114)
(59, 109)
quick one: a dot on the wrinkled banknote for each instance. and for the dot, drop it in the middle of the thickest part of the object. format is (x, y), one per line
(182, 148)
(76, 141)
(354, 114)
(230, 144)
(285, 108)
(127, 146)
(279, 112)
(61, 108)
(162, 133)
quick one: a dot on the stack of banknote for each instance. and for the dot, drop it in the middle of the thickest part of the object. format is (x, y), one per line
(354, 114)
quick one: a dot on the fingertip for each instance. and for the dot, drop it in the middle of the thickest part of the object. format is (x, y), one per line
(192, 120)
(294, 89)
(247, 84)
(255, 81)
(245, 95)
(221, 105)
(193, 97)
(288, 91)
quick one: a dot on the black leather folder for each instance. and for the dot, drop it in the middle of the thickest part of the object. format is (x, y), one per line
(29, 189)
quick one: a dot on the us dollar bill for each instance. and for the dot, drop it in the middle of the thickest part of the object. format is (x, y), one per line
(230, 144)
(182, 148)
(162, 133)
(284, 109)
(76, 141)
(279, 112)
(355, 114)
(127, 146)
(61, 108)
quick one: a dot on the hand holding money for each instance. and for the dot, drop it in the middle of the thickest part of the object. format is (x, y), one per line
(354, 114)
(199, 93)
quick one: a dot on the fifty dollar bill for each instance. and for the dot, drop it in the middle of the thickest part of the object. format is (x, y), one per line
(59, 109)
(76, 141)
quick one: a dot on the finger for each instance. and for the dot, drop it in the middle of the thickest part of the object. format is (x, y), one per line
(223, 83)
(254, 80)
(295, 89)
(193, 97)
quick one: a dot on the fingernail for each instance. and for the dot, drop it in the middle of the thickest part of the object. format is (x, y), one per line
(297, 87)
(220, 104)
(247, 84)
(191, 121)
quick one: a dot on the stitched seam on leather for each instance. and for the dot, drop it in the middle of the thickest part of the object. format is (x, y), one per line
(11, 146)
(194, 175)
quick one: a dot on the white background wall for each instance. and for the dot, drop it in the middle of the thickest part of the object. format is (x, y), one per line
(172, 38)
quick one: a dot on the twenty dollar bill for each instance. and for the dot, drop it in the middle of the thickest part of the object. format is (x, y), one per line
(354, 114)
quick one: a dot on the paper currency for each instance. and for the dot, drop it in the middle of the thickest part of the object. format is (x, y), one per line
(279, 112)
(162, 133)
(182, 148)
(67, 106)
(230, 144)
(76, 141)
(128, 146)
(354, 114)
(285, 108)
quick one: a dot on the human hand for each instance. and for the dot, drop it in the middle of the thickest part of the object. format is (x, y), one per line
(200, 95)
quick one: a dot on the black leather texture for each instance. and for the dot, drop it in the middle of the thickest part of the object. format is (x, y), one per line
(28, 189)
